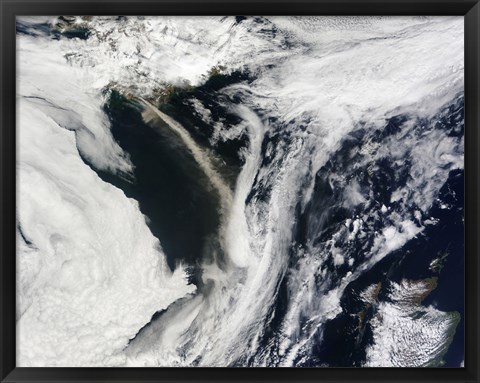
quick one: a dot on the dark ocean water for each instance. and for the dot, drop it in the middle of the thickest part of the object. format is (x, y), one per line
(170, 188)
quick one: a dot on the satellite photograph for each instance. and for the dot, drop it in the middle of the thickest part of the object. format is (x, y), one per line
(240, 191)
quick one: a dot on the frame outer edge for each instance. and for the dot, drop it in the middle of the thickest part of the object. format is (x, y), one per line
(8, 372)
(472, 188)
(7, 189)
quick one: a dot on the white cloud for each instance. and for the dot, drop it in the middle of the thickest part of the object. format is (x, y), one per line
(93, 274)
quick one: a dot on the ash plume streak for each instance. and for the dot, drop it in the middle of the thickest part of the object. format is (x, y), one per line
(200, 156)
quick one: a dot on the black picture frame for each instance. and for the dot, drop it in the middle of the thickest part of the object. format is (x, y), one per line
(9, 9)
